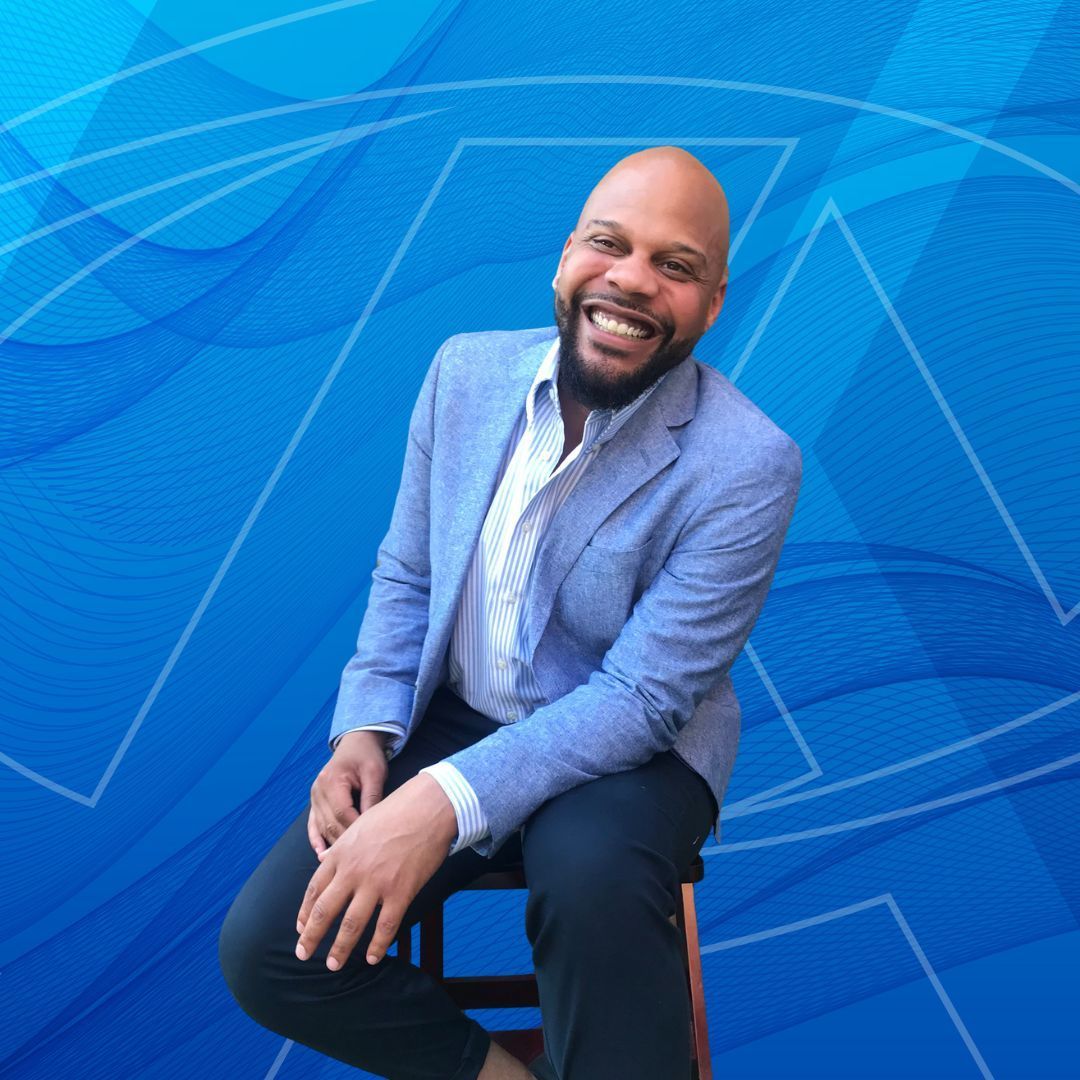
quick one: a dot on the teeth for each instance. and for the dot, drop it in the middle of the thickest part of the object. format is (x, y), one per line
(613, 326)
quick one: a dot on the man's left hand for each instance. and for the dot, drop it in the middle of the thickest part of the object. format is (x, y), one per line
(384, 857)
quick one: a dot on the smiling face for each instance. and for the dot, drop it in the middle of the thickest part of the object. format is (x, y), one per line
(642, 276)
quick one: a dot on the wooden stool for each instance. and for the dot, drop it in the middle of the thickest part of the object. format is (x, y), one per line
(520, 991)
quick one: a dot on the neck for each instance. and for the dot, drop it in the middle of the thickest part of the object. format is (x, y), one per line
(574, 415)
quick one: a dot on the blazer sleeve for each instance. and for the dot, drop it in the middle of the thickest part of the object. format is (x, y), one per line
(682, 637)
(379, 682)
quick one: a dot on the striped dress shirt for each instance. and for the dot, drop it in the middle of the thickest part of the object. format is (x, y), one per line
(488, 662)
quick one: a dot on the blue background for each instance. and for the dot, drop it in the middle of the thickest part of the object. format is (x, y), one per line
(233, 236)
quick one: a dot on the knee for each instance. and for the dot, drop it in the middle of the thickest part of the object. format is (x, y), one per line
(244, 953)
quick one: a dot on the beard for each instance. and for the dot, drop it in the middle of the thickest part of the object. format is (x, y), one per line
(591, 386)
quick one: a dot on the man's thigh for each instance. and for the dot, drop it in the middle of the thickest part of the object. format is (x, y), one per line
(655, 814)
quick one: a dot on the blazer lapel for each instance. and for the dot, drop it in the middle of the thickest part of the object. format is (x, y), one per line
(634, 455)
(482, 440)
(488, 411)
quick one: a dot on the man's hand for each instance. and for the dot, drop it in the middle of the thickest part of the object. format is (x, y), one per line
(359, 764)
(384, 857)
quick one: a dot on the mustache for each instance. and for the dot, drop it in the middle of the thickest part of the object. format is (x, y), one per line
(578, 299)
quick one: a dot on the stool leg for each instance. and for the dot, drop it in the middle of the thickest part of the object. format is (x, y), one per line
(687, 919)
(404, 944)
(431, 942)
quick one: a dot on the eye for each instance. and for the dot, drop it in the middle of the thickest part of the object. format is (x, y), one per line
(677, 266)
(603, 240)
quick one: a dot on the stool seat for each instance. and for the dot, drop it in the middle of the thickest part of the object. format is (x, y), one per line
(521, 991)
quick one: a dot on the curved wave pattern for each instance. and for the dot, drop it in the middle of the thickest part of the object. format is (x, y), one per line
(231, 240)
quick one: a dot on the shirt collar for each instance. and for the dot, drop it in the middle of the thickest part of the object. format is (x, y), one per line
(600, 424)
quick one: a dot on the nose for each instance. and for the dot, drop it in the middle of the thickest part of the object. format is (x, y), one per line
(632, 274)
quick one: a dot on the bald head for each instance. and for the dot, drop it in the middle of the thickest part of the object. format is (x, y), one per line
(673, 177)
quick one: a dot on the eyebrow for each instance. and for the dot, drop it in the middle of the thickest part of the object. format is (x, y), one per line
(675, 245)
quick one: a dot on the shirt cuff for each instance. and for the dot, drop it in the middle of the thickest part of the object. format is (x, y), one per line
(471, 820)
(395, 729)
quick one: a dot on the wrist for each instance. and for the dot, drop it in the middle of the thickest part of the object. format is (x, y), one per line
(380, 738)
(444, 819)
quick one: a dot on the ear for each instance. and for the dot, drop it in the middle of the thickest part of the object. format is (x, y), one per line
(716, 302)
(562, 259)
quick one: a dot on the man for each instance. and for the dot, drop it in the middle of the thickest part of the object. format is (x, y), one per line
(587, 526)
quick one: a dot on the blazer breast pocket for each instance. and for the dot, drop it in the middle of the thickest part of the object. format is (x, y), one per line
(599, 593)
(603, 560)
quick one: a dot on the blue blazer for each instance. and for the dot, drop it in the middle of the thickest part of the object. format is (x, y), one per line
(645, 587)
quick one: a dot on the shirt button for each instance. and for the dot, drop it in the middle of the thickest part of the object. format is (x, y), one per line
(546, 455)
(511, 598)
(500, 664)
(526, 526)
(511, 716)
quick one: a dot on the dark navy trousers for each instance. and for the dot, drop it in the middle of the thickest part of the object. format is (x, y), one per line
(603, 863)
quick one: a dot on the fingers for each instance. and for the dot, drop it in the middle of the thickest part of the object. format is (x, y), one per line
(318, 844)
(386, 929)
(323, 900)
(343, 811)
(319, 806)
(371, 790)
(331, 799)
(319, 880)
(357, 916)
